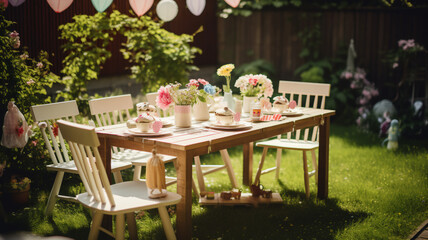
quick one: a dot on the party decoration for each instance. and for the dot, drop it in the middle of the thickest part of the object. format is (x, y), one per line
(140, 7)
(167, 10)
(16, 3)
(196, 7)
(5, 3)
(233, 3)
(15, 128)
(155, 176)
(59, 5)
(157, 125)
(101, 5)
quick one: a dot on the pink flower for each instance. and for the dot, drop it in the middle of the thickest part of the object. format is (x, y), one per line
(354, 85)
(31, 81)
(164, 98)
(395, 65)
(361, 110)
(363, 101)
(23, 56)
(402, 42)
(346, 75)
(253, 81)
(34, 142)
(193, 82)
(367, 93)
(203, 81)
(39, 64)
(17, 44)
(14, 34)
(359, 121)
(374, 92)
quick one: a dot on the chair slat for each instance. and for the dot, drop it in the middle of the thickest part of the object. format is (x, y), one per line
(75, 153)
(54, 110)
(95, 173)
(63, 148)
(55, 144)
(49, 147)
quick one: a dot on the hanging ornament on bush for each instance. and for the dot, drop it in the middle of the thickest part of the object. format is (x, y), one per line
(196, 7)
(155, 176)
(167, 10)
(233, 3)
(16, 3)
(140, 7)
(5, 3)
(101, 5)
(59, 5)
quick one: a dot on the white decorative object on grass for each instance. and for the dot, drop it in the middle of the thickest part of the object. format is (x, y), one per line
(167, 10)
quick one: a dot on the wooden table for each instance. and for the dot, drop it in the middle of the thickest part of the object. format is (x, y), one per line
(196, 141)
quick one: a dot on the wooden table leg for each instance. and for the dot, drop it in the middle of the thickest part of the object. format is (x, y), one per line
(105, 153)
(247, 175)
(184, 188)
(323, 159)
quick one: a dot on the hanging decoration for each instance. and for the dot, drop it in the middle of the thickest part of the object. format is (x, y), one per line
(59, 5)
(167, 10)
(155, 176)
(101, 5)
(5, 3)
(140, 7)
(233, 3)
(196, 7)
(16, 3)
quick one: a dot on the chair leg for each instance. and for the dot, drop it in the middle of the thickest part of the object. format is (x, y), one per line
(199, 174)
(166, 223)
(117, 177)
(195, 189)
(54, 193)
(137, 172)
(230, 172)
(96, 224)
(132, 226)
(305, 173)
(278, 162)
(120, 227)
(259, 170)
(315, 165)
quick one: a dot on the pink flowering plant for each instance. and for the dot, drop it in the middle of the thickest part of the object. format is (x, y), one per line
(206, 91)
(366, 90)
(258, 85)
(173, 94)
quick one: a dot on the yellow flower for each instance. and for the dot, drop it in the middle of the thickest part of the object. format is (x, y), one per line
(225, 70)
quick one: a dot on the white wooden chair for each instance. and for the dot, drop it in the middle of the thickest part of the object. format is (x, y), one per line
(102, 198)
(111, 110)
(307, 95)
(47, 115)
(201, 170)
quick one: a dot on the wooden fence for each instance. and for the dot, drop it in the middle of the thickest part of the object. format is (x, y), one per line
(273, 35)
(38, 25)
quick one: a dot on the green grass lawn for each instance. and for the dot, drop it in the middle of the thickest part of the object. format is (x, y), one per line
(373, 194)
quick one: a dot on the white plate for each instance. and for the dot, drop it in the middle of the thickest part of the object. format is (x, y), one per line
(288, 112)
(150, 133)
(232, 125)
(239, 126)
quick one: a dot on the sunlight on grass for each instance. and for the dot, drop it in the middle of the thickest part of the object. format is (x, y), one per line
(373, 194)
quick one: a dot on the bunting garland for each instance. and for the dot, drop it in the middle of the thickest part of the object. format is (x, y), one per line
(59, 5)
(167, 10)
(101, 5)
(16, 3)
(196, 7)
(140, 7)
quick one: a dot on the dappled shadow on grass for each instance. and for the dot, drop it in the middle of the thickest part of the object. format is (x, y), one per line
(295, 218)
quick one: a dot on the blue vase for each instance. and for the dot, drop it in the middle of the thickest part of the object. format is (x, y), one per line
(228, 98)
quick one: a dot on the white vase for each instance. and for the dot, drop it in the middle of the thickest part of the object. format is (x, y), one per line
(228, 98)
(200, 111)
(183, 116)
(246, 108)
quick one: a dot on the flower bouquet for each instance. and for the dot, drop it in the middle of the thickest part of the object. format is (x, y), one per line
(204, 97)
(253, 87)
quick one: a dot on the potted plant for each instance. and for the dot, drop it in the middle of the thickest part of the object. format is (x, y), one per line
(18, 189)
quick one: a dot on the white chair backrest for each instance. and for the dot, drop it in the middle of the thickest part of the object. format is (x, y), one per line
(83, 142)
(151, 98)
(110, 110)
(50, 113)
(308, 95)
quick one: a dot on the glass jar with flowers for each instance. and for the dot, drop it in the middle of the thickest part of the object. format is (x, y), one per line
(205, 94)
(182, 99)
(225, 71)
(253, 87)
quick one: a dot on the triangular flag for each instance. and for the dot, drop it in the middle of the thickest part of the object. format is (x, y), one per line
(140, 7)
(59, 5)
(16, 3)
(101, 5)
(233, 3)
(196, 7)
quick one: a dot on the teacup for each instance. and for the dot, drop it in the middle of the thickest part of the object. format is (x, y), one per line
(225, 120)
(144, 126)
(280, 107)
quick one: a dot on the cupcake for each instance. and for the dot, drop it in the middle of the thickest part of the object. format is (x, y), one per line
(145, 107)
(224, 116)
(280, 103)
(144, 122)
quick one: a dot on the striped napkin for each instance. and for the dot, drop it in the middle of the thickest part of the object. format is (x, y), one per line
(275, 117)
